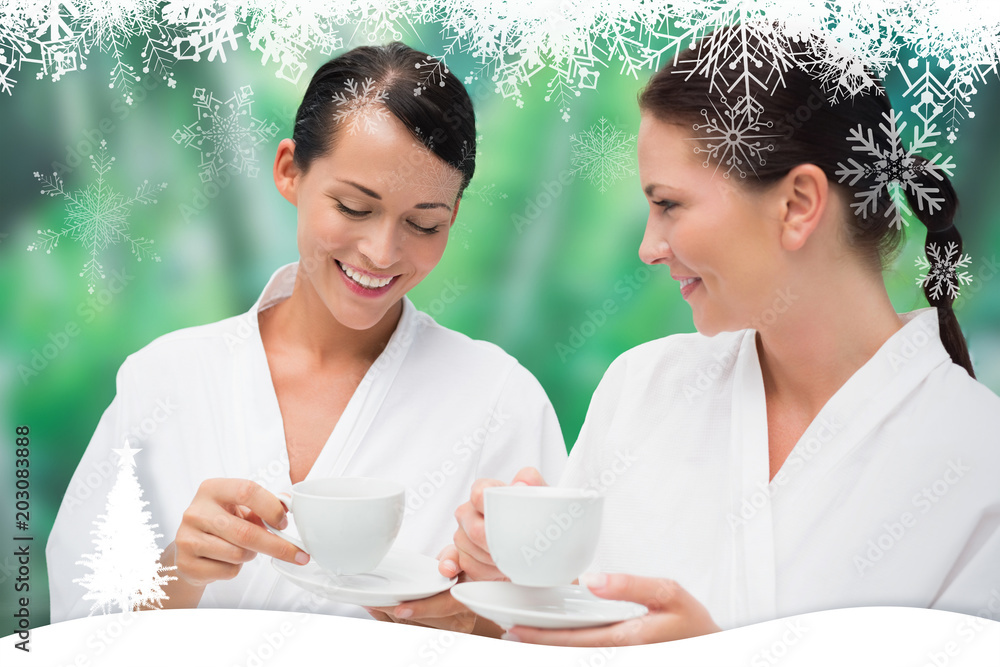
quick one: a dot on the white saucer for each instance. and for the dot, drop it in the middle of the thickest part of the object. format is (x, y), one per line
(402, 575)
(508, 604)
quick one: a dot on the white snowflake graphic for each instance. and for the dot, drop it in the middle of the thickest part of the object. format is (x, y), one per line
(749, 43)
(733, 136)
(518, 43)
(361, 105)
(891, 171)
(943, 270)
(6, 81)
(226, 134)
(59, 36)
(432, 73)
(951, 97)
(125, 568)
(206, 26)
(433, 184)
(488, 194)
(97, 217)
(603, 154)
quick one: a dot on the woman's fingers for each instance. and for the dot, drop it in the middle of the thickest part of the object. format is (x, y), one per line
(655, 594)
(216, 548)
(470, 515)
(472, 525)
(476, 497)
(246, 534)
(448, 564)
(469, 549)
(528, 476)
(201, 570)
(673, 614)
(470, 538)
(224, 527)
(649, 629)
(248, 514)
(233, 493)
(438, 611)
(477, 570)
(219, 508)
(436, 606)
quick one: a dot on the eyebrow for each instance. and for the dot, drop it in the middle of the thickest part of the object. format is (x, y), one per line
(374, 195)
(652, 186)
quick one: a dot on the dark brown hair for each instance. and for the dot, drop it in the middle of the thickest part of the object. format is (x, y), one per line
(419, 90)
(807, 128)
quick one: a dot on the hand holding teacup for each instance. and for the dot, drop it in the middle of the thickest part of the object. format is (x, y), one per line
(529, 533)
(470, 552)
(470, 560)
(346, 524)
(558, 554)
(223, 528)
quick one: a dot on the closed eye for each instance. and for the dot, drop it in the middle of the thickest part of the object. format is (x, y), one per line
(420, 229)
(665, 204)
(350, 212)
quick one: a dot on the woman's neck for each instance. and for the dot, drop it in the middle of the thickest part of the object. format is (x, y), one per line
(834, 329)
(303, 324)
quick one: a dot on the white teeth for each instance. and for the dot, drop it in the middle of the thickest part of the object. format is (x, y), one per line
(363, 280)
(688, 281)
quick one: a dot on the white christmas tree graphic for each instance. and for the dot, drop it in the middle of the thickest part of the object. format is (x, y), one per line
(125, 569)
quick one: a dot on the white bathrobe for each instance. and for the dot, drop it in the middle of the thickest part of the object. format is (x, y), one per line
(436, 411)
(890, 497)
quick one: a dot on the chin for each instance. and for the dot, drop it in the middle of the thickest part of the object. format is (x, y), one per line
(709, 327)
(707, 331)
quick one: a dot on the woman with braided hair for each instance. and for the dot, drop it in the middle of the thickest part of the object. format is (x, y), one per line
(809, 448)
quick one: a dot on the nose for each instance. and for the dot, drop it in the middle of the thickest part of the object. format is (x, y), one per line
(654, 248)
(381, 243)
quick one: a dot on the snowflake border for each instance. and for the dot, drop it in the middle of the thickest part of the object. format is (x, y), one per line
(514, 41)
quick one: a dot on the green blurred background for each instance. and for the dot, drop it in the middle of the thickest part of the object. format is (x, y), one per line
(529, 281)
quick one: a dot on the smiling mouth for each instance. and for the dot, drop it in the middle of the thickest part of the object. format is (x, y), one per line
(363, 280)
(689, 285)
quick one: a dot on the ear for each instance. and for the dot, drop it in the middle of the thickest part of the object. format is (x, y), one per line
(454, 212)
(804, 196)
(286, 173)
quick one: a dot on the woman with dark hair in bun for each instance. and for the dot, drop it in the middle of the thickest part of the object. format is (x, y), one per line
(809, 448)
(332, 372)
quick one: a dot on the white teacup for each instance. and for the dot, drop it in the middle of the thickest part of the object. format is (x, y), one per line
(347, 524)
(542, 535)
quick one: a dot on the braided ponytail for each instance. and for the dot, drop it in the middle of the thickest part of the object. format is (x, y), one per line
(819, 133)
(942, 233)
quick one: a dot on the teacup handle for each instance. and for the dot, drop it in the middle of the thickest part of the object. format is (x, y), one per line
(286, 500)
